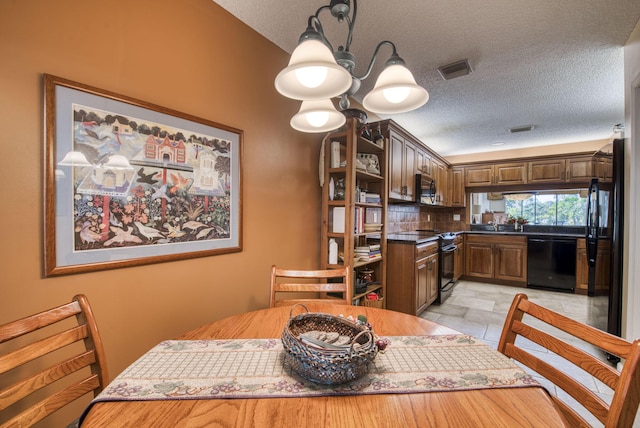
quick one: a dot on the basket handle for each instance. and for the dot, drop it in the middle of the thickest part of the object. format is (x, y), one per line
(295, 306)
(355, 339)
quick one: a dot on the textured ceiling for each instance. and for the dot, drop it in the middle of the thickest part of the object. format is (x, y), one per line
(554, 64)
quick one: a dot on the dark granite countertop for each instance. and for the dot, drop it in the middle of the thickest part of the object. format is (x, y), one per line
(420, 237)
(416, 237)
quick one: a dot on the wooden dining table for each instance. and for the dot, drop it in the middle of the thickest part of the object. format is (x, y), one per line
(495, 407)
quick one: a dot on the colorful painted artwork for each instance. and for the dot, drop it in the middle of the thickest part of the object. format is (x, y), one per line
(147, 179)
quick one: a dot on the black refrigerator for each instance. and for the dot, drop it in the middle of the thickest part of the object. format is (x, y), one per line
(605, 211)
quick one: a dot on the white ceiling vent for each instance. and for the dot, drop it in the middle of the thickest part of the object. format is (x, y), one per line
(521, 129)
(455, 69)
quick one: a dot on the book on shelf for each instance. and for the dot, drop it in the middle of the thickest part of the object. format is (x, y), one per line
(372, 198)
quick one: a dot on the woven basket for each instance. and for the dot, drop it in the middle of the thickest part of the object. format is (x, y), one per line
(327, 366)
(373, 303)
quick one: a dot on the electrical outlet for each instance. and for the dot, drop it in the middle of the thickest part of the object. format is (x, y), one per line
(456, 217)
(428, 217)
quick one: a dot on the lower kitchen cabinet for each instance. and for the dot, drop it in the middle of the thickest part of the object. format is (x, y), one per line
(412, 276)
(603, 267)
(458, 261)
(496, 258)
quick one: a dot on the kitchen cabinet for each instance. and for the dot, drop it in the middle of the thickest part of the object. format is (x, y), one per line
(603, 168)
(603, 267)
(457, 196)
(458, 261)
(412, 276)
(440, 171)
(496, 258)
(579, 170)
(423, 163)
(496, 174)
(547, 171)
(402, 160)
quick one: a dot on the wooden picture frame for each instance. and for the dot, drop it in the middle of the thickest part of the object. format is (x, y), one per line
(152, 184)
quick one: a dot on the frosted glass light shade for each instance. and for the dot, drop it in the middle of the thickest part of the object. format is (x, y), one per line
(312, 74)
(74, 159)
(395, 91)
(317, 116)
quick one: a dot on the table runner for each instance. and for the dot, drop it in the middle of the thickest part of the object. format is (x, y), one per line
(253, 368)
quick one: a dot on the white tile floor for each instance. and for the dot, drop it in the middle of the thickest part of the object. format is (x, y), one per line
(479, 309)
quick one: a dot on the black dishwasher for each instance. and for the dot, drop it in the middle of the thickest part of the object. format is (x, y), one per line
(551, 263)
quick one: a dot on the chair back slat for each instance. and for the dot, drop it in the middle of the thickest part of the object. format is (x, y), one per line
(37, 321)
(53, 403)
(71, 353)
(318, 282)
(621, 412)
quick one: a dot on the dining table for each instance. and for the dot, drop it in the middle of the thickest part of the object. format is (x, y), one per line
(526, 406)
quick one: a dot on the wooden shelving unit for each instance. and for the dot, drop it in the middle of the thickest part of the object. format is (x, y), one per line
(343, 171)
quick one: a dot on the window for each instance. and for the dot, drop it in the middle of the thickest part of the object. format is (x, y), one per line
(551, 208)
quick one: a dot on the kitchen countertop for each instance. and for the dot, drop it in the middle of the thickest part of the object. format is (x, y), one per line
(417, 237)
(421, 237)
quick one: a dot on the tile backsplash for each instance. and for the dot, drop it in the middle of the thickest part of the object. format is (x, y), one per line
(404, 218)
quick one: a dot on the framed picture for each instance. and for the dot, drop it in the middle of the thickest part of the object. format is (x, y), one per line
(130, 183)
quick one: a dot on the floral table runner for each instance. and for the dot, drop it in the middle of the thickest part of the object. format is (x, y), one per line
(252, 368)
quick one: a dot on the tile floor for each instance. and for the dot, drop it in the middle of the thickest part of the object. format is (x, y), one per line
(479, 309)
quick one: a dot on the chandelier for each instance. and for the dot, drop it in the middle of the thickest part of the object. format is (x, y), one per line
(316, 73)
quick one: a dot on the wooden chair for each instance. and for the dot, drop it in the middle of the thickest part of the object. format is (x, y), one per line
(82, 363)
(625, 384)
(311, 281)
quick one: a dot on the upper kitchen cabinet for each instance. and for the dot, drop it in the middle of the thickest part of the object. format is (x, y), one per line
(402, 162)
(423, 162)
(603, 168)
(495, 174)
(457, 196)
(441, 176)
(402, 156)
(547, 171)
(579, 169)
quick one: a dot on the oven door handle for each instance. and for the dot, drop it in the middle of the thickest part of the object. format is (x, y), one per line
(449, 248)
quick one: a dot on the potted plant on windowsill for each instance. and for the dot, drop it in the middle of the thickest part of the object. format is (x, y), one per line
(518, 222)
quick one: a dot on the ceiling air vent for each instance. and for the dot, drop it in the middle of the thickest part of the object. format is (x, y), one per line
(521, 129)
(455, 69)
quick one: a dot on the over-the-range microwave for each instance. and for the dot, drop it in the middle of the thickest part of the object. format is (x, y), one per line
(425, 190)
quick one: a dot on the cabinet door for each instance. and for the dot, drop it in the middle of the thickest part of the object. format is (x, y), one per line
(479, 259)
(409, 180)
(396, 152)
(510, 173)
(423, 163)
(458, 262)
(458, 197)
(422, 284)
(603, 169)
(603, 268)
(511, 262)
(547, 171)
(580, 170)
(433, 284)
(481, 175)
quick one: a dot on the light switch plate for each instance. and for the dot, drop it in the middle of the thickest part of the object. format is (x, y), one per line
(456, 217)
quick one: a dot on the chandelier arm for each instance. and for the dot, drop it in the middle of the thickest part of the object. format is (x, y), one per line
(375, 55)
(351, 23)
(314, 22)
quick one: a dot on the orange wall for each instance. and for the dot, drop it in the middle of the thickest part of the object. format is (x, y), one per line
(190, 56)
